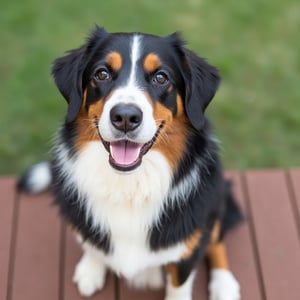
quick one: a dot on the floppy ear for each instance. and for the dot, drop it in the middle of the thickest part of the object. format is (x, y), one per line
(68, 71)
(201, 80)
(201, 84)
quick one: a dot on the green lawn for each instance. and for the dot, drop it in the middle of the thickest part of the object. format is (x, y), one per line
(255, 44)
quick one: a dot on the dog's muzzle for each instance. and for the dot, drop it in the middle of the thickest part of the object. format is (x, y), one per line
(126, 155)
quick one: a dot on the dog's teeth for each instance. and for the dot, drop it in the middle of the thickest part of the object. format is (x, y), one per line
(111, 151)
(138, 153)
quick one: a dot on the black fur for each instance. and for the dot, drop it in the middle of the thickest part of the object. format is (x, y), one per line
(74, 212)
(204, 204)
(209, 198)
(201, 86)
(200, 78)
(68, 71)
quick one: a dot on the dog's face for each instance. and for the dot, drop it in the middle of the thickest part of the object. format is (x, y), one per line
(135, 92)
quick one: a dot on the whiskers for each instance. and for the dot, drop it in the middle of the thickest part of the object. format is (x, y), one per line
(162, 136)
(166, 133)
(90, 128)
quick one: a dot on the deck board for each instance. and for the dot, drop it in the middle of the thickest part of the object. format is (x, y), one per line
(241, 247)
(200, 289)
(36, 266)
(276, 233)
(38, 253)
(294, 177)
(7, 214)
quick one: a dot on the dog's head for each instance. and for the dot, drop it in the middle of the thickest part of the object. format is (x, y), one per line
(135, 92)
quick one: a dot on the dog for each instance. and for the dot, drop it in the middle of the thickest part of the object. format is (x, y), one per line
(135, 168)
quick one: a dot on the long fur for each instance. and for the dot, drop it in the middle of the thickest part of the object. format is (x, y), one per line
(144, 218)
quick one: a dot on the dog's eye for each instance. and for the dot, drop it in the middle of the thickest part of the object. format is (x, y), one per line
(102, 75)
(160, 78)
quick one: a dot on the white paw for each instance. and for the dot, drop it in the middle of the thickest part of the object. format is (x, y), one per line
(89, 276)
(223, 286)
(182, 292)
(151, 278)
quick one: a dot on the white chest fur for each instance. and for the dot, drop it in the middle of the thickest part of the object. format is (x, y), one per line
(125, 206)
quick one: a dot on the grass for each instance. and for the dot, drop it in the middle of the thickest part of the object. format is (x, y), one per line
(254, 43)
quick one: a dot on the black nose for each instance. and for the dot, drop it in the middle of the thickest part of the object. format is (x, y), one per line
(126, 117)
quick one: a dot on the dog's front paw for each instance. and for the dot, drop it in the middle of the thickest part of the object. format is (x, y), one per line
(89, 276)
(179, 291)
(223, 286)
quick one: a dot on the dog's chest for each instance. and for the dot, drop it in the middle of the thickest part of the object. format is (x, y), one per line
(126, 207)
(130, 248)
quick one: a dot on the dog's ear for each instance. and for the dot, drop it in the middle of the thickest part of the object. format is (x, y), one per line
(201, 86)
(68, 71)
(201, 81)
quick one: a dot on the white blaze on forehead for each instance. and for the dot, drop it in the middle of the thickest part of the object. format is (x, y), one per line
(135, 55)
(129, 93)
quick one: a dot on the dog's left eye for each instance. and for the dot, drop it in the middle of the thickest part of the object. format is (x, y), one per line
(103, 75)
(160, 78)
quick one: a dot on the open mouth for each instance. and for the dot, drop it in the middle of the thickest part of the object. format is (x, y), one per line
(125, 155)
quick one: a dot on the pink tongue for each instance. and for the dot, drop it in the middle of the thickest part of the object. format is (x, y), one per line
(125, 152)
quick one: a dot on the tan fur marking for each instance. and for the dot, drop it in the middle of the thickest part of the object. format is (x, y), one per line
(84, 95)
(180, 107)
(173, 272)
(172, 140)
(114, 59)
(151, 63)
(215, 234)
(85, 121)
(191, 243)
(170, 89)
(217, 256)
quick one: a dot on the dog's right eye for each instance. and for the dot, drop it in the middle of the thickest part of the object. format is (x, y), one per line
(160, 78)
(102, 74)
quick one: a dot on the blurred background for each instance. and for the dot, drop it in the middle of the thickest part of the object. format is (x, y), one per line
(255, 44)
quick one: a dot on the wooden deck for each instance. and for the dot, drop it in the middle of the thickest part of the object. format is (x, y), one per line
(38, 254)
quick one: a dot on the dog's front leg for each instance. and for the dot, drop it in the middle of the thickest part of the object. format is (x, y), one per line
(180, 278)
(222, 285)
(90, 272)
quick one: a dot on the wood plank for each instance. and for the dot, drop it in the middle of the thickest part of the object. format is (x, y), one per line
(241, 248)
(294, 177)
(7, 202)
(36, 269)
(275, 232)
(271, 196)
(72, 256)
(200, 289)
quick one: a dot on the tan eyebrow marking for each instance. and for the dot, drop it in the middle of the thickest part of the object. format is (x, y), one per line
(151, 62)
(114, 60)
